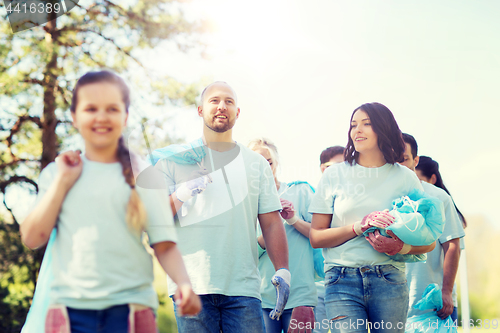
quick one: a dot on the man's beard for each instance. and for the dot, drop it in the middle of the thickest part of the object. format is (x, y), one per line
(222, 127)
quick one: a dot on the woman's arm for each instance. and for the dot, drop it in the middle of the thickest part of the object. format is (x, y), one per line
(322, 235)
(36, 228)
(303, 227)
(171, 260)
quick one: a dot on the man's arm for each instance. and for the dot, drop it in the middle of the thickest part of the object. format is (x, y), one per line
(175, 203)
(274, 236)
(451, 251)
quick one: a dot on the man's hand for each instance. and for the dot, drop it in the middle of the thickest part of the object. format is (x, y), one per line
(281, 281)
(447, 308)
(197, 184)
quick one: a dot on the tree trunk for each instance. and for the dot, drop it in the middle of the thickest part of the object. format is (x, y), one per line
(49, 121)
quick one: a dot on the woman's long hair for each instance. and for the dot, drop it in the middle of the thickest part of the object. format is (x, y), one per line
(390, 140)
(428, 167)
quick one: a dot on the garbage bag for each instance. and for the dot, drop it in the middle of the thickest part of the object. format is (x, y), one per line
(430, 322)
(35, 321)
(419, 221)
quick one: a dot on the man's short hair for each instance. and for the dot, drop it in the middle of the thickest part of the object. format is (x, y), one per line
(330, 152)
(412, 142)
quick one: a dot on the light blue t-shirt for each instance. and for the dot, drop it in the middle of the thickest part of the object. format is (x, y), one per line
(96, 260)
(351, 192)
(217, 228)
(300, 254)
(420, 274)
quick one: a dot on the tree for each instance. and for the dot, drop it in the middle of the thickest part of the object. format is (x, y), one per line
(39, 66)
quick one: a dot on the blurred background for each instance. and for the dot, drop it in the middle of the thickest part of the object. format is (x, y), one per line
(299, 69)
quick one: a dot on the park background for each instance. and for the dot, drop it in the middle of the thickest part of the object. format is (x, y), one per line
(299, 69)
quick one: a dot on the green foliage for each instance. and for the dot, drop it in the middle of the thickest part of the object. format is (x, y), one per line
(16, 284)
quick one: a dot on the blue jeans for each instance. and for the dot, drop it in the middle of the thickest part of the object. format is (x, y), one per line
(229, 314)
(113, 319)
(374, 297)
(454, 314)
(277, 326)
(322, 324)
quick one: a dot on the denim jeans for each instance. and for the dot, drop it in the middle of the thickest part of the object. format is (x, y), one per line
(113, 319)
(322, 324)
(277, 326)
(454, 314)
(229, 314)
(374, 297)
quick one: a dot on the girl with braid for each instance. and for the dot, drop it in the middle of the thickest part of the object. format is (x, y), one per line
(103, 274)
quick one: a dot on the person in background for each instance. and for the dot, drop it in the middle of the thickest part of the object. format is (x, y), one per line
(442, 262)
(328, 157)
(295, 199)
(428, 171)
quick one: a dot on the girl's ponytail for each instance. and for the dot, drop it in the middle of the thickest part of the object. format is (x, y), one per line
(136, 212)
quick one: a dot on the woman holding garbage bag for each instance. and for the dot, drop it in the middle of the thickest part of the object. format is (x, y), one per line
(365, 287)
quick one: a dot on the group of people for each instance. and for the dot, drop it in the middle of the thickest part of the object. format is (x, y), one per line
(243, 251)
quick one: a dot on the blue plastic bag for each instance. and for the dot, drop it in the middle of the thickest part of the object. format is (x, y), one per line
(419, 221)
(430, 322)
(419, 218)
(35, 321)
(190, 153)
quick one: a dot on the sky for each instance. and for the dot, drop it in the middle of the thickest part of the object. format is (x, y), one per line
(300, 68)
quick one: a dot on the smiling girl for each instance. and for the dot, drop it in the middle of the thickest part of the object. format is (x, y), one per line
(364, 286)
(102, 272)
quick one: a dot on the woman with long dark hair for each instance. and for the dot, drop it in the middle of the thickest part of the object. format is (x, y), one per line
(428, 171)
(365, 287)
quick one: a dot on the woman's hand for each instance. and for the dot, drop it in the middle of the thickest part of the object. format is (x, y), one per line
(375, 219)
(388, 245)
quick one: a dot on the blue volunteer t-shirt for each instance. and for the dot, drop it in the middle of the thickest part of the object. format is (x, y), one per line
(300, 254)
(351, 192)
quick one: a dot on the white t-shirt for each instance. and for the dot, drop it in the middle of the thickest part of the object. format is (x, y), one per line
(351, 192)
(420, 274)
(96, 260)
(217, 228)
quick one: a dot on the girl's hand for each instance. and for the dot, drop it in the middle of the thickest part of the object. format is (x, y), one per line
(69, 167)
(188, 303)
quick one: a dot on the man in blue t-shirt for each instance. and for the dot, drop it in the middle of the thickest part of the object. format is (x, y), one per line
(218, 190)
(442, 263)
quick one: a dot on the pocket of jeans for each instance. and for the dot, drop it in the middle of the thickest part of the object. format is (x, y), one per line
(332, 276)
(393, 275)
(57, 319)
(141, 319)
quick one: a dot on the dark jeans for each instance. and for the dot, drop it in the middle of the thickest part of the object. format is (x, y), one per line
(113, 319)
(229, 314)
